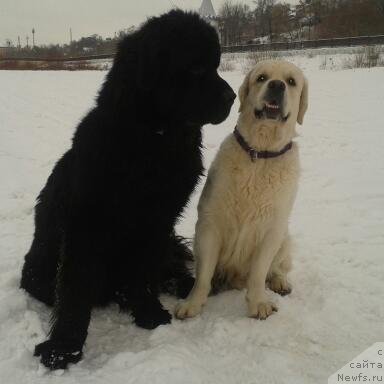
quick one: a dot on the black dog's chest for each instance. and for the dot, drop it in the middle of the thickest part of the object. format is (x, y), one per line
(170, 165)
(178, 158)
(177, 150)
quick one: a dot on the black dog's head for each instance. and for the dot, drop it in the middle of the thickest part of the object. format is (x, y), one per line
(172, 62)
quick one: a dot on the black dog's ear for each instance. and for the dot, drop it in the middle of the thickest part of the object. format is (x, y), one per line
(149, 62)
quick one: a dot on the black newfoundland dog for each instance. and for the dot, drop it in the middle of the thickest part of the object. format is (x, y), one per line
(104, 222)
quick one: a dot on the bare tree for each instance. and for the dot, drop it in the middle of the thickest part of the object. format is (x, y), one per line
(263, 16)
(281, 19)
(380, 5)
(233, 18)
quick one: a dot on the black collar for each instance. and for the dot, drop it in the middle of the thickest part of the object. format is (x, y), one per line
(253, 153)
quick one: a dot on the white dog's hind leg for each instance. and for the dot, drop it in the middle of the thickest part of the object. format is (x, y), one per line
(259, 306)
(207, 247)
(281, 265)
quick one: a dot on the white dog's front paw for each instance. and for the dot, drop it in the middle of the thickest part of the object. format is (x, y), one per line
(280, 285)
(262, 310)
(188, 309)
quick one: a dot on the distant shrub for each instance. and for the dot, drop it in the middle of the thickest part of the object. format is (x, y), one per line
(366, 57)
(328, 63)
(19, 65)
(323, 64)
(310, 55)
(84, 66)
(255, 57)
(227, 65)
(51, 66)
(230, 56)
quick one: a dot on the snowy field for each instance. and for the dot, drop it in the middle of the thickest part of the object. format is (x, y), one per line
(336, 309)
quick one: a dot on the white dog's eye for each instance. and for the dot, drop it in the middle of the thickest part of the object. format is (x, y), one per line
(291, 81)
(261, 78)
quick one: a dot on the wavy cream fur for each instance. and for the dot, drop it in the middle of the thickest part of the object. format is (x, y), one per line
(242, 235)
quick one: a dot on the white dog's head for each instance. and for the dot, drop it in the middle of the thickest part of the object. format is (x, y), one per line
(273, 96)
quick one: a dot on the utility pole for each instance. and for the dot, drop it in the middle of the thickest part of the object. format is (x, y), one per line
(18, 42)
(27, 38)
(33, 37)
(70, 35)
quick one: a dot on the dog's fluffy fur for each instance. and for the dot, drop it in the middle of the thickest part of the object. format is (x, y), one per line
(105, 219)
(242, 236)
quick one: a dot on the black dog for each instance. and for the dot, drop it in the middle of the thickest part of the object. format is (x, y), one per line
(105, 219)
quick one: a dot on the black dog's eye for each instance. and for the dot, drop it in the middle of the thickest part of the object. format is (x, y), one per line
(261, 78)
(197, 71)
(291, 81)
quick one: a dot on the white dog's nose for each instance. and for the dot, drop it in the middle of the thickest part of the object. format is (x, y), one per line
(277, 85)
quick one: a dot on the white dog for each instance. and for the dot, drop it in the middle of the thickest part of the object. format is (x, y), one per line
(242, 235)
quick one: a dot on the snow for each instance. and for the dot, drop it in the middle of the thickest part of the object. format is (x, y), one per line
(336, 308)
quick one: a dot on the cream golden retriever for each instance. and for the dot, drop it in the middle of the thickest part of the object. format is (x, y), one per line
(242, 238)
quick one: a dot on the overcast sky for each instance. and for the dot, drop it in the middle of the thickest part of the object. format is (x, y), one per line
(53, 18)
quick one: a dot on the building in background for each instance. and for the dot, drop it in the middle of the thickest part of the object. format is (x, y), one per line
(208, 13)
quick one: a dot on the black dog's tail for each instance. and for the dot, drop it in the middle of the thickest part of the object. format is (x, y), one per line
(177, 279)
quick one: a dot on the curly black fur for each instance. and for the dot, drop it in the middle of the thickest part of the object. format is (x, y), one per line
(104, 222)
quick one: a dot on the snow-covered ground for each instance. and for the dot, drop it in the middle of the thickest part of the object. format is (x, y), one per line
(336, 309)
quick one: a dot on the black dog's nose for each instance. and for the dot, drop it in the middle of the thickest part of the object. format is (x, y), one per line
(277, 85)
(229, 96)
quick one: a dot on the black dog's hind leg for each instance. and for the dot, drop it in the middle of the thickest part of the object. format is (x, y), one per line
(176, 278)
(78, 286)
(41, 262)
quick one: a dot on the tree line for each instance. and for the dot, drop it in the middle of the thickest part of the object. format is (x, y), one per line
(272, 20)
(238, 23)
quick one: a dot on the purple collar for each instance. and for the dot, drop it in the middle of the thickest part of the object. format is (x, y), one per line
(258, 154)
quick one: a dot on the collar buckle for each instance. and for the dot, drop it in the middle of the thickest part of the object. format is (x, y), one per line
(254, 154)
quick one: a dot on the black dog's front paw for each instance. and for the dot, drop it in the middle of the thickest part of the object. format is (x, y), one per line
(184, 287)
(56, 355)
(150, 318)
(178, 286)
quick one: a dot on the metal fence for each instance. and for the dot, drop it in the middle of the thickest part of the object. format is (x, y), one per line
(307, 44)
(277, 46)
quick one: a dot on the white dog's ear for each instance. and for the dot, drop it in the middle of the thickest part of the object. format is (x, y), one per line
(303, 103)
(244, 90)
